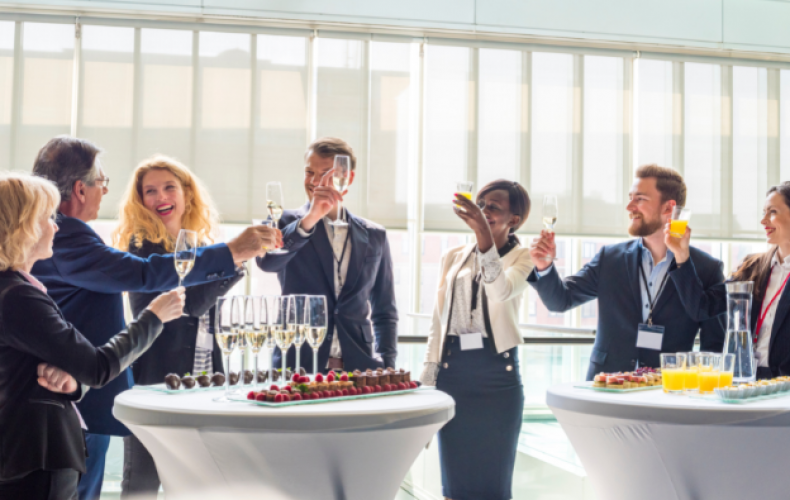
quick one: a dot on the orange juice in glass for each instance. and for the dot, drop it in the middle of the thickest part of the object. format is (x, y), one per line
(727, 369)
(679, 221)
(673, 368)
(464, 188)
(709, 371)
(691, 381)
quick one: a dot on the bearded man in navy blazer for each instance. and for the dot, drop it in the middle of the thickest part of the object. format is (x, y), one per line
(350, 265)
(86, 278)
(633, 283)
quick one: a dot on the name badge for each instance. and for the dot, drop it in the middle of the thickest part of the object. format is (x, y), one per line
(470, 341)
(649, 336)
(205, 340)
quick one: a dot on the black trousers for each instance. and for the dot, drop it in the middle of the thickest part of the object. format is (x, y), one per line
(42, 485)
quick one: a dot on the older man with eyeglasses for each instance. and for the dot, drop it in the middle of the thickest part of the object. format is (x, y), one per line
(86, 278)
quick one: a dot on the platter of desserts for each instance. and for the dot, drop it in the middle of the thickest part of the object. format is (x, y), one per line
(175, 384)
(332, 388)
(643, 379)
(759, 390)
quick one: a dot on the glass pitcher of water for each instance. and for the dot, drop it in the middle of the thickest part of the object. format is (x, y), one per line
(738, 340)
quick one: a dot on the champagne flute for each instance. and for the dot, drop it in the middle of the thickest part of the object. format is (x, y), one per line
(275, 204)
(184, 255)
(296, 322)
(340, 178)
(317, 320)
(276, 320)
(267, 223)
(284, 334)
(550, 213)
(227, 336)
(256, 328)
(246, 334)
(237, 325)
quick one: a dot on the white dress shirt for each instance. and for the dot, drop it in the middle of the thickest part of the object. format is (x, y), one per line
(779, 273)
(463, 319)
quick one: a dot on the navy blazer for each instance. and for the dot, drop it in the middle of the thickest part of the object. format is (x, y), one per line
(366, 306)
(613, 278)
(710, 301)
(86, 278)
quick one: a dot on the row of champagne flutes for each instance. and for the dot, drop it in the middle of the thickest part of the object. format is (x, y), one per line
(265, 321)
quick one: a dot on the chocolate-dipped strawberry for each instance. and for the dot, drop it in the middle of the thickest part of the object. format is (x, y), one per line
(234, 378)
(188, 381)
(248, 376)
(203, 380)
(302, 371)
(218, 379)
(172, 381)
(262, 376)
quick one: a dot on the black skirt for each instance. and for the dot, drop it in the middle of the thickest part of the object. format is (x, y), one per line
(477, 448)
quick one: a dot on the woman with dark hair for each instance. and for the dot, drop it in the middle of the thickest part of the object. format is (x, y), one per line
(768, 270)
(473, 344)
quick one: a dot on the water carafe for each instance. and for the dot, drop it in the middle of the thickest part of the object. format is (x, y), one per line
(738, 340)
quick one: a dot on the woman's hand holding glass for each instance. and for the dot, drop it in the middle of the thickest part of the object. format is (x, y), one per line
(169, 305)
(474, 217)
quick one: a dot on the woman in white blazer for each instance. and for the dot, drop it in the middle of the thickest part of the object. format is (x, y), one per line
(473, 345)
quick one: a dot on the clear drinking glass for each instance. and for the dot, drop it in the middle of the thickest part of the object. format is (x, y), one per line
(296, 322)
(691, 378)
(274, 204)
(738, 339)
(227, 336)
(317, 322)
(464, 188)
(267, 223)
(275, 319)
(340, 178)
(679, 221)
(726, 370)
(709, 370)
(283, 333)
(673, 368)
(254, 329)
(550, 212)
(185, 253)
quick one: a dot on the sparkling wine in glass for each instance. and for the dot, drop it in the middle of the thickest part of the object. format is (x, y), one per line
(274, 205)
(227, 335)
(340, 179)
(550, 213)
(185, 253)
(296, 322)
(317, 321)
(256, 328)
(284, 335)
(276, 307)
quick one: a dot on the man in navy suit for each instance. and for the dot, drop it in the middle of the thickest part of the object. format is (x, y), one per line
(86, 278)
(350, 265)
(640, 313)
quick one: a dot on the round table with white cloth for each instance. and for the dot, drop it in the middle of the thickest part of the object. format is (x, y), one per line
(359, 449)
(651, 445)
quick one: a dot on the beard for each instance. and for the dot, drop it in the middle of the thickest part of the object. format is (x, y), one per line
(646, 228)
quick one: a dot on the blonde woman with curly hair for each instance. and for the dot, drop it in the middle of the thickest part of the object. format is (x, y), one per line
(163, 197)
(42, 448)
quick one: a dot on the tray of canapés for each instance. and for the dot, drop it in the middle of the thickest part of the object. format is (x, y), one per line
(175, 384)
(332, 388)
(643, 379)
(750, 392)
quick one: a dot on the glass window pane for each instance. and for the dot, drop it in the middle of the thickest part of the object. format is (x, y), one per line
(447, 127)
(653, 139)
(499, 138)
(784, 124)
(47, 66)
(106, 105)
(603, 145)
(6, 90)
(702, 142)
(749, 148)
(552, 132)
(434, 245)
(538, 313)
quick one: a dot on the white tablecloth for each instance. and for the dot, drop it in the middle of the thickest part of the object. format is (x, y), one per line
(345, 450)
(650, 445)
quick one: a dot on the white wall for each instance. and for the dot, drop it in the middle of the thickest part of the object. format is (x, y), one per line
(743, 25)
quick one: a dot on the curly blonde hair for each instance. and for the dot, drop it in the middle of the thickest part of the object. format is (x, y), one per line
(138, 223)
(24, 200)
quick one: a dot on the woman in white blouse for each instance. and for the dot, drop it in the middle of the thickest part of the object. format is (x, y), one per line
(473, 344)
(768, 270)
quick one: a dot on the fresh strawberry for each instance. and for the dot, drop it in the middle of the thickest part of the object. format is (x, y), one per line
(319, 377)
(251, 395)
(413, 384)
(296, 397)
(345, 391)
(287, 388)
(401, 386)
(344, 377)
(295, 378)
(261, 396)
(377, 388)
(286, 397)
(325, 394)
(274, 388)
(315, 396)
(330, 377)
(278, 398)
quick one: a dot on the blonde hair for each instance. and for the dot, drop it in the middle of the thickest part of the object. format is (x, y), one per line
(138, 223)
(24, 200)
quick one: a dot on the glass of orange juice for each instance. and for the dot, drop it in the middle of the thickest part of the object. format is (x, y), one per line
(679, 221)
(709, 370)
(727, 369)
(464, 188)
(691, 380)
(673, 368)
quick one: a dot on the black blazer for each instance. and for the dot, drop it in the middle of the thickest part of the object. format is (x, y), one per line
(613, 278)
(365, 309)
(174, 350)
(712, 300)
(39, 430)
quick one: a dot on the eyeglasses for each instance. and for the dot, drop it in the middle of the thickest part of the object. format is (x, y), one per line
(105, 182)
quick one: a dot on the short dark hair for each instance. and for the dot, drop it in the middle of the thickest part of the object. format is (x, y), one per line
(65, 160)
(668, 182)
(329, 147)
(518, 198)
